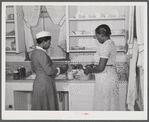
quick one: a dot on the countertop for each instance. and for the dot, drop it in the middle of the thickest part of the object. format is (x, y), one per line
(56, 80)
(9, 79)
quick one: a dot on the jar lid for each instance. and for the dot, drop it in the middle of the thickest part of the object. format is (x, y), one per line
(19, 67)
(22, 66)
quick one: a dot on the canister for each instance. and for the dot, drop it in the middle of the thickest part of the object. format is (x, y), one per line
(16, 75)
(20, 72)
(23, 70)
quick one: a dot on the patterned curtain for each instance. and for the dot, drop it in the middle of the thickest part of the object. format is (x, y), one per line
(31, 18)
(57, 15)
(132, 57)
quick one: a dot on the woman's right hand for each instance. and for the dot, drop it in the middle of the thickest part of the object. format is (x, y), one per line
(63, 68)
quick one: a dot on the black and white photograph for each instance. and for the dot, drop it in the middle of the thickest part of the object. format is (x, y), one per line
(74, 60)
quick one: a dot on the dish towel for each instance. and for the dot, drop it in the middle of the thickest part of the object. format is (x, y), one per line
(31, 18)
(140, 33)
(132, 94)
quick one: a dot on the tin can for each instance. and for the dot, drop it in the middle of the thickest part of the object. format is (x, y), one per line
(20, 72)
(23, 70)
(16, 75)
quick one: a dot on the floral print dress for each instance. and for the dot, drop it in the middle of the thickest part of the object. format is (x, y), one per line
(106, 96)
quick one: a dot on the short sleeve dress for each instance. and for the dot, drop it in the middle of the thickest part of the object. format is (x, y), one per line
(106, 94)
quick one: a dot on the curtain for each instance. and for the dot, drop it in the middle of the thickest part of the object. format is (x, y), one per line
(135, 54)
(132, 57)
(130, 31)
(140, 38)
(31, 18)
(140, 34)
(58, 17)
(132, 94)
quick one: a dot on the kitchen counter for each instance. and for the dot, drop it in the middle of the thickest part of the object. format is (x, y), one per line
(77, 91)
(56, 80)
(80, 93)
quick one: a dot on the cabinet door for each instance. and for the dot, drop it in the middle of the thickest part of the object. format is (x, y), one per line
(15, 40)
(20, 36)
(8, 98)
(81, 96)
(122, 96)
(81, 103)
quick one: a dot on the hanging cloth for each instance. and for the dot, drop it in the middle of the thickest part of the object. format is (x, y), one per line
(57, 16)
(62, 37)
(140, 34)
(130, 31)
(31, 18)
(140, 38)
(131, 95)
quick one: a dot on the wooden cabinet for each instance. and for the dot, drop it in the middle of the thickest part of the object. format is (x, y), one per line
(73, 96)
(81, 27)
(19, 94)
(8, 98)
(15, 39)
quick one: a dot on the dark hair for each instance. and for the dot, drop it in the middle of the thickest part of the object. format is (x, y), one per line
(103, 29)
(40, 40)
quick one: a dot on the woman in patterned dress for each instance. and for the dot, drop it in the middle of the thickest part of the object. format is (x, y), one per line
(44, 95)
(106, 97)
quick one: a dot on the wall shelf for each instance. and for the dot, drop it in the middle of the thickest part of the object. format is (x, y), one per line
(89, 19)
(10, 21)
(82, 35)
(123, 49)
(10, 51)
(10, 36)
(82, 51)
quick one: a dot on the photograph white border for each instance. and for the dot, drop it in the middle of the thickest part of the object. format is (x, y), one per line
(73, 115)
